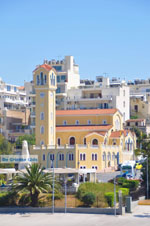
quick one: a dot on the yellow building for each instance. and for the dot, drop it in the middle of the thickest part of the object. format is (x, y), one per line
(91, 138)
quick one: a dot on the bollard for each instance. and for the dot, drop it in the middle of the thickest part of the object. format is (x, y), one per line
(128, 204)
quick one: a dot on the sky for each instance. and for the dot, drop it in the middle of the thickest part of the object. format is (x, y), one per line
(104, 36)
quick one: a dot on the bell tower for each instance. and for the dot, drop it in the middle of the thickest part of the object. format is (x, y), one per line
(44, 77)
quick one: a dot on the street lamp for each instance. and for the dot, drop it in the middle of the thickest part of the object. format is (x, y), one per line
(53, 191)
(115, 196)
(147, 187)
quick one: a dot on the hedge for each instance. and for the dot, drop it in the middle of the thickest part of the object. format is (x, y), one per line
(110, 198)
(89, 198)
(8, 199)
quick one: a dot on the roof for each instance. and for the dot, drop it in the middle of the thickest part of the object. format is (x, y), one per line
(93, 128)
(116, 134)
(102, 133)
(86, 112)
(21, 88)
(135, 120)
(45, 66)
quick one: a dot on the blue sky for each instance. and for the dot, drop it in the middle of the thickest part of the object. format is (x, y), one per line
(104, 36)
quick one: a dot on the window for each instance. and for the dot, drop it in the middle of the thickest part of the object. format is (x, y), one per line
(95, 142)
(105, 105)
(72, 141)
(41, 78)
(37, 80)
(109, 156)
(8, 88)
(58, 68)
(94, 167)
(136, 108)
(51, 130)
(45, 79)
(124, 93)
(58, 141)
(128, 123)
(82, 157)
(64, 122)
(61, 157)
(124, 104)
(104, 121)
(70, 157)
(104, 156)
(52, 157)
(114, 141)
(52, 79)
(63, 78)
(58, 90)
(43, 157)
(89, 122)
(84, 141)
(42, 130)
(77, 122)
(58, 78)
(42, 95)
(42, 142)
(42, 115)
(136, 123)
(15, 89)
(94, 157)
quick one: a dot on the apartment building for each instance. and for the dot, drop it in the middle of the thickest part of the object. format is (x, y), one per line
(14, 111)
(82, 138)
(102, 94)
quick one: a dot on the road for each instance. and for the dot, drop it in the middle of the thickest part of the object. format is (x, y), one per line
(105, 177)
(140, 216)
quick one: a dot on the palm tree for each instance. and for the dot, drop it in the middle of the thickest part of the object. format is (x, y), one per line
(34, 181)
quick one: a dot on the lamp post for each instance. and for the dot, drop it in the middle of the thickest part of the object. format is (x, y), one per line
(53, 191)
(114, 196)
(147, 179)
(65, 195)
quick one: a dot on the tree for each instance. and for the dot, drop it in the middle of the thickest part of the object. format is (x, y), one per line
(33, 181)
(6, 148)
(29, 138)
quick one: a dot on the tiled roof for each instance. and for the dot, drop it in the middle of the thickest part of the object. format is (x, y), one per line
(86, 112)
(84, 128)
(21, 88)
(116, 134)
(136, 120)
(45, 66)
(119, 133)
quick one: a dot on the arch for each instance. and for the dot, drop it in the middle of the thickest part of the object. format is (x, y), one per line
(72, 141)
(94, 142)
(42, 115)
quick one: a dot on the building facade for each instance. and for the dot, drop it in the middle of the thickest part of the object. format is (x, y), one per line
(87, 138)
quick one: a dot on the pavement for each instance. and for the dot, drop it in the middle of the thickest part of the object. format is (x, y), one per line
(140, 216)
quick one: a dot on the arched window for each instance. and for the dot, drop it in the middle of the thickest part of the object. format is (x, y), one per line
(42, 115)
(42, 130)
(104, 156)
(64, 122)
(104, 121)
(84, 141)
(37, 80)
(109, 156)
(113, 156)
(58, 141)
(94, 142)
(89, 122)
(41, 78)
(72, 141)
(45, 79)
(42, 142)
(77, 122)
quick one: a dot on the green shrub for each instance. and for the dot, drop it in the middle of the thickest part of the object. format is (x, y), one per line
(89, 198)
(24, 200)
(125, 191)
(109, 196)
(8, 199)
(121, 180)
(131, 184)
